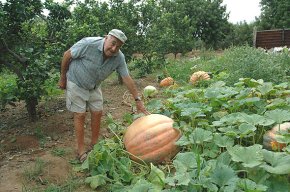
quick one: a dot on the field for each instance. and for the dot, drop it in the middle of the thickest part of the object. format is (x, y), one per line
(221, 147)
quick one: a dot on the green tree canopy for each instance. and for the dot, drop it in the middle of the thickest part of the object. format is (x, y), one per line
(275, 14)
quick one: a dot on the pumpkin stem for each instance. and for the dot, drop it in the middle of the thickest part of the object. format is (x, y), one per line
(121, 143)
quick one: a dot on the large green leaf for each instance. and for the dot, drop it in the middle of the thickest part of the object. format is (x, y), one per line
(277, 163)
(247, 128)
(183, 141)
(185, 161)
(179, 179)
(277, 103)
(256, 119)
(251, 186)
(250, 100)
(229, 119)
(156, 177)
(223, 141)
(199, 136)
(249, 156)
(223, 175)
(265, 88)
(143, 185)
(96, 181)
(278, 115)
(220, 92)
(277, 183)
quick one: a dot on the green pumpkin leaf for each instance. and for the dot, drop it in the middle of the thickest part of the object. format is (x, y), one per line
(276, 103)
(251, 82)
(156, 177)
(143, 186)
(278, 115)
(232, 118)
(199, 136)
(287, 149)
(256, 119)
(96, 181)
(185, 161)
(283, 138)
(231, 131)
(179, 179)
(246, 128)
(265, 88)
(249, 100)
(183, 141)
(224, 158)
(223, 141)
(277, 163)
(249, 156)
(223, 175)
(277, 184)
(249, 185)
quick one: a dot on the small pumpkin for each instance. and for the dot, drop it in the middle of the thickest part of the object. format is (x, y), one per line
(152, 138)
(269, 138)
(166, 82)
(149, 91)
(198, 76)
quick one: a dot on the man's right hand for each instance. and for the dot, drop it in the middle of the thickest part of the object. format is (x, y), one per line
(62, 83)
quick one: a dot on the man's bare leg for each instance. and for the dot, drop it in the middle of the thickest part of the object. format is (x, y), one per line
(95, 126)
(79, 122)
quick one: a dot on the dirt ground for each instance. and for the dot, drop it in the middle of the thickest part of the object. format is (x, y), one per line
(49, 143)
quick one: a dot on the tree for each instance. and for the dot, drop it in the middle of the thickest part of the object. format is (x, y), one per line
(211, 22)
(188, 22)
(275, 14)
(173, 30)
(240, 34)
(25, 45)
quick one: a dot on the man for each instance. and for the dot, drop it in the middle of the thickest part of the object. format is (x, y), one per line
(84, 66)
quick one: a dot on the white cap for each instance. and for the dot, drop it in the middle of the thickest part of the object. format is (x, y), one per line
(118, 34)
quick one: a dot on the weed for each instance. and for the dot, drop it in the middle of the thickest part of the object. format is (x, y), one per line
(58, 152)
(36, 171)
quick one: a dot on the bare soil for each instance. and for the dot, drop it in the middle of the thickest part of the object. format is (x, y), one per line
(50, 141)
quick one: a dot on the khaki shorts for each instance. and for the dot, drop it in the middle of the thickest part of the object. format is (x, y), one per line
(80, 100)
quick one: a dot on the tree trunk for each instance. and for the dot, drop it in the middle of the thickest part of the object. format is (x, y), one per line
(31, 104)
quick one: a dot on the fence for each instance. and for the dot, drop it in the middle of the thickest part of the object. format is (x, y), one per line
(272, 38)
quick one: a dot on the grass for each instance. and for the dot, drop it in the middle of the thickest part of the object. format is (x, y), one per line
(35, 172)
(73, 184)
(235, 63)
(59, 152)
(34, 178)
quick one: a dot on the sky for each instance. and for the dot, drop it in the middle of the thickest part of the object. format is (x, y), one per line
(242, 10)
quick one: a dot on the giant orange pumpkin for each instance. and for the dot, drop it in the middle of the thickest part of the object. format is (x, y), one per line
(198, 76)
(166, 82)
(269, 138)
(152, 138)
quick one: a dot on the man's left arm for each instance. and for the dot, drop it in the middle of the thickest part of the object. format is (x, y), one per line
(133, 90)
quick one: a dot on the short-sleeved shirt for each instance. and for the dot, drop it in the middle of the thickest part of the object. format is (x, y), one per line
(88, 69)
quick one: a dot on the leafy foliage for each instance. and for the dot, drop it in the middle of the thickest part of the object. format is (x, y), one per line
(8, 89)
(248, 62)
(275, 15)
(221, 147)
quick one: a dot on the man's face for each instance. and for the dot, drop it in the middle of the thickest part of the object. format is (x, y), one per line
(112, 45)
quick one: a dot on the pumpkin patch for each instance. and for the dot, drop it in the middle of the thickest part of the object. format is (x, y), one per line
(152, 138)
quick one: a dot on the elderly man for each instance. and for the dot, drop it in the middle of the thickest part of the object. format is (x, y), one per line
(84, 66)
